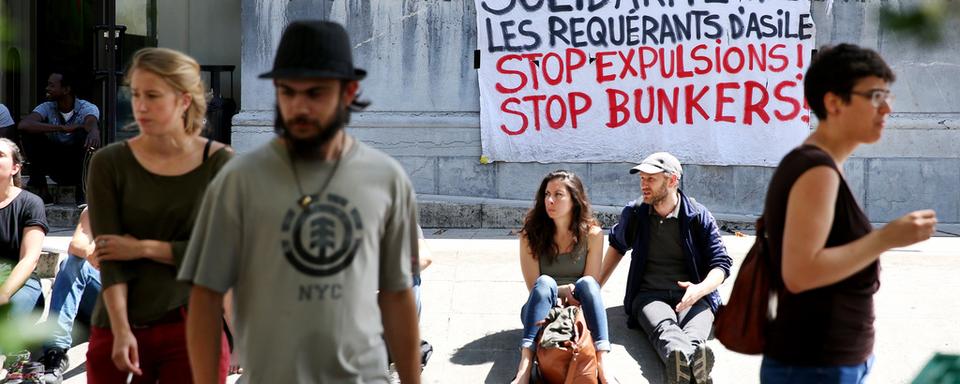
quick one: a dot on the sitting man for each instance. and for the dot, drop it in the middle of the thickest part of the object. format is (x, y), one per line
(678, 262)
(74, 290)
(57, 135)
(6, 122)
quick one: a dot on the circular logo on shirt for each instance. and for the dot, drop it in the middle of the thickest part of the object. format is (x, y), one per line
(321, 238)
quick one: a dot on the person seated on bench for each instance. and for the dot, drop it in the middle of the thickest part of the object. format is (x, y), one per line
(561, 246)
(23, 225)
(6, 122)
(75, 291)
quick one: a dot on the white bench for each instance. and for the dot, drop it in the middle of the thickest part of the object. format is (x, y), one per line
(54, 251)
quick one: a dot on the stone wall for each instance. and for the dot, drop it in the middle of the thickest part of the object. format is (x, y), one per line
(419, 54)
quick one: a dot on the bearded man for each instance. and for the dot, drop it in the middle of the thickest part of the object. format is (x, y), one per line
(678, 261)
(316, 234)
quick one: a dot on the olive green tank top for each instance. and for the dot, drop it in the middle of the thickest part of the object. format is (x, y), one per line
(568, 267)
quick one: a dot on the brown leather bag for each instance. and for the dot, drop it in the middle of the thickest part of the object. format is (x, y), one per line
(567, 355)
(741, 324)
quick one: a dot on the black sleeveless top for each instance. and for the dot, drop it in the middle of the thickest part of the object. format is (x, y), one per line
(831, 325)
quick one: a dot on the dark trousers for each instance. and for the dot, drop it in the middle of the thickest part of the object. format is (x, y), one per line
(668, 330)
(62, 161)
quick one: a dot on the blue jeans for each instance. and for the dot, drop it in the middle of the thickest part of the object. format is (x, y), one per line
(75, 289)
(25, 299)
(416, 291)
(775, 372)
(543, 296)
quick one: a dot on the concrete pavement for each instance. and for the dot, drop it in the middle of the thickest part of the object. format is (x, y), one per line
(473, 292)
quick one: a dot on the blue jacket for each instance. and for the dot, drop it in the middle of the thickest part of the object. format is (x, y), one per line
(702, 245)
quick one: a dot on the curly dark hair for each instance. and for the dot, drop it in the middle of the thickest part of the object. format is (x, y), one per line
(837, 69)
(539, 228)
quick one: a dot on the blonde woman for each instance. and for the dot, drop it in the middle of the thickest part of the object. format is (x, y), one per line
(143, 193)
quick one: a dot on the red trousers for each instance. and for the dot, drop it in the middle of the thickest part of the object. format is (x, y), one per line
(163, 356)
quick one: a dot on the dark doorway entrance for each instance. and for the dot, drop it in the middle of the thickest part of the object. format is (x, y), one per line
(64, 31)
(94, 39)
(11, 79)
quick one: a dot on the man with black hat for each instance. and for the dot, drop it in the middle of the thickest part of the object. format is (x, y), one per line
(678, 261)
(316, 232)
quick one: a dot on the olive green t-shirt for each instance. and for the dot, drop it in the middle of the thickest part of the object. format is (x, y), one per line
(568, 267)
(127, 199)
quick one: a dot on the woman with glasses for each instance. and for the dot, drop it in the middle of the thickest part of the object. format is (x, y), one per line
(561, 247)
(823, 251)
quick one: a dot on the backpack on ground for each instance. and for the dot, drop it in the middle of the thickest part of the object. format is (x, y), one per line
(565, 352)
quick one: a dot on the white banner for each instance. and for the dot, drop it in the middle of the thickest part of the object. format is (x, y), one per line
(711, 81)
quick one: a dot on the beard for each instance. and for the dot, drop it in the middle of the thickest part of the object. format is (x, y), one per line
(309, 147)
(658, 196)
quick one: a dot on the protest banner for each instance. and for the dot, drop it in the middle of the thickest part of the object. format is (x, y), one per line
(712, 81)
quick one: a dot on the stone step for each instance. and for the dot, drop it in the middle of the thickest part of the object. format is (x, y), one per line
(63, 215)
(438, 211)
(65, 194)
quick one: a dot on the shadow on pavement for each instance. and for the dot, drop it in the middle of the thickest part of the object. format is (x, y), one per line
(78, 370)
(491, 348)
(498, 348)
(637, 346)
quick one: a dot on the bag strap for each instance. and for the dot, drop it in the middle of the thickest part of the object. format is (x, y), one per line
(630, 233)
(571, 367)
(206, 150)
(575, 348)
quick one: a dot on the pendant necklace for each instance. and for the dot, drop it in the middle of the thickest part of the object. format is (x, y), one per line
(306, 199)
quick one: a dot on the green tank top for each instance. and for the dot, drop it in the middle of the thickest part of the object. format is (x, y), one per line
(568, 267)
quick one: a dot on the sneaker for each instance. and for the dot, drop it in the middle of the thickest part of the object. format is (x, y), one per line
(28, 373)
(702, 364)
(33, 373)
(677, 368)
(393, 375)
(55, 363)
(426, 350)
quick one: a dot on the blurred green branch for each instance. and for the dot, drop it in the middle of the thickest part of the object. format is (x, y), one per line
(924, 22)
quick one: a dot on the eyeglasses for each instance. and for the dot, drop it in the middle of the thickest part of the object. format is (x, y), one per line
(877, 96)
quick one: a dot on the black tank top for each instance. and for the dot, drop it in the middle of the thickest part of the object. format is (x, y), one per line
(831, 325)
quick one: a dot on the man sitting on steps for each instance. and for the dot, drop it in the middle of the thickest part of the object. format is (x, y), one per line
(57, 135)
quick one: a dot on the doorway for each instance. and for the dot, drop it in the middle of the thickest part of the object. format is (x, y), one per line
(94, 40)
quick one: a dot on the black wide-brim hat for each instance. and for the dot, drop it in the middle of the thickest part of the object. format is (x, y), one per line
(314, 49)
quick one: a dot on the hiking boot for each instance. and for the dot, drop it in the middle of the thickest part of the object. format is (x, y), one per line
(55, 363)
(677, 368)
(702, 364)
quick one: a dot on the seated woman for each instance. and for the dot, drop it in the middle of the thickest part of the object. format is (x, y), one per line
(23, 225)
(561, 247)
